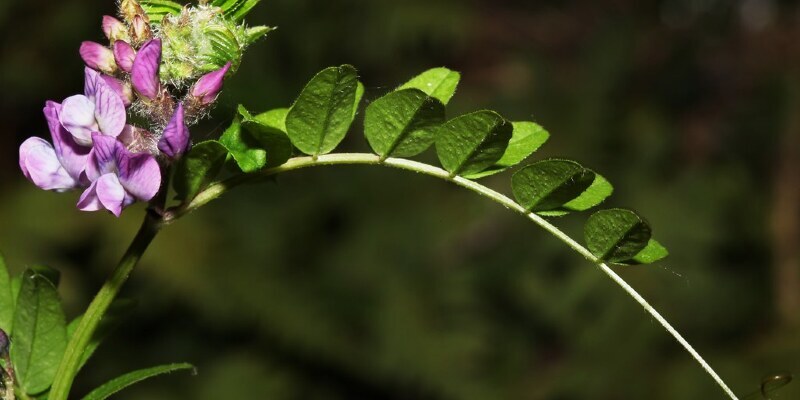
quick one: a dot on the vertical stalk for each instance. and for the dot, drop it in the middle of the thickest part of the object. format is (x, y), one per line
(69, 365)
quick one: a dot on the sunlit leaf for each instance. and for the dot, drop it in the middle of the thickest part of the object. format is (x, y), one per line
(526, 138)
(616, 235)
(400, 123)
(473, 142)
(39, 336)
(266, 130)
(439, 83)
(322, 114)
(549, 184)
(117, 384)
(654, 251)
(275, 118)
(245, 150)
(595, 194)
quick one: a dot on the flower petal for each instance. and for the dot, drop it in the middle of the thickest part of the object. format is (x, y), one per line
(175, 140)
(124, 55)
(78, 117)
(97, 56)
(111, 194)
(71, 155)
(89, 200)
(109, 110)
(120, 88)
(144, 72)
(140, 175)
(39, 164)
(90, 78)
(209, 85)
(103, 158)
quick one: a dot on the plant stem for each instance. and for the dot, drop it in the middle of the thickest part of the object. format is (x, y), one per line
(215, 190)
(70, 364)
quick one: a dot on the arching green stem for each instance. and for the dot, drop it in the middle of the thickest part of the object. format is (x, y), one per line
(71, 361)
(217, 189)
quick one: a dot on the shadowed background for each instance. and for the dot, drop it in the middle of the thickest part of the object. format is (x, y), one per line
(361, 282)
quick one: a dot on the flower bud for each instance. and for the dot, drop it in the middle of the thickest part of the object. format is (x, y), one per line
(98, 57)
(114, 29)
(175, 140)
(206, 89)
(129, 9)
(122, 89)
(140, 29)
(144, 72)
(124, 55)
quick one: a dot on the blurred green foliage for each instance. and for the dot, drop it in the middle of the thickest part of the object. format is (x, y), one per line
(325, 285)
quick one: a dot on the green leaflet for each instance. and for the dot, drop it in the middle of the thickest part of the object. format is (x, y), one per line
(653, 252)
(198, 168)
(473, 142)
(235, 9)
(244, 149)
(401, 123)
(274, 118)
(595, 194)
(616, 235)
(439, 83)
(549, 184)
(526, 138)
(39, 336)
(157, 9)
(266, 129)
(253, 34)
(113, 317)
(6, 300)
(322, 114)
(115, 385)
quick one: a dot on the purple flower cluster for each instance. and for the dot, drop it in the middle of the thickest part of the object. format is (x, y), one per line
(93, 146)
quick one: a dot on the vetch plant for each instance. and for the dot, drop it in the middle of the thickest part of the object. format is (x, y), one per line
(163, 66)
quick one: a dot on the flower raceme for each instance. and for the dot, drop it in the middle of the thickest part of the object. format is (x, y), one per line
(93, 147)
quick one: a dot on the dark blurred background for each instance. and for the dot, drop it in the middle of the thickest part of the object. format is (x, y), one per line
(362, 283)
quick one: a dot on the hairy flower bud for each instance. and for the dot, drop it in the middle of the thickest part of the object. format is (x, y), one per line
(206, 89)
(114, 29)
(140, 29)
(98, 57)
(175, 140)
(124, 55)
(129, 9)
